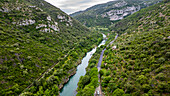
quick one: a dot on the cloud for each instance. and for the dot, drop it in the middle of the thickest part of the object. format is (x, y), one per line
(71, 6)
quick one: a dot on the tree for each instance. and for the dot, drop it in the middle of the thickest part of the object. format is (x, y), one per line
(15, 88)
(161, 76)
(88, 91)
(118, 92)
(129, 88)
(75, 55)
(41, 91)
(142, 79)
(112, 86)
(106, 79)
(101, 72)
(145, 87)
(47, 92)
(50, 80)
(85, 80)
(55, 90)
(167, 54)
(161, 60)
(26, 94)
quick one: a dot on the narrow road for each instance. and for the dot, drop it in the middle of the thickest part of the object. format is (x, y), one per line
(98, 91)
(113, 40)
(101, 58)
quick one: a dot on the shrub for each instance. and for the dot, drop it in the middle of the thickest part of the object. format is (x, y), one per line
(142, 79)
(107, 73)
(129, 88)
(142, 56)
(167, 54)
(161, 76)
(26, 94)
(101, 72)
(106, 79)
(161, 60)
(162, 87)
(160, 69)
(145, 87)
(112, 86)
(85, 80)
(118, 92)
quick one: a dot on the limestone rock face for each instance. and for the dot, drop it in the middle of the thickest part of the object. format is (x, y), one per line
(121, 13)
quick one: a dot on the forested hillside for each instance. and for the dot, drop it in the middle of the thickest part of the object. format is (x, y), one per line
(36, 36)
(139, 66)
(106, 14)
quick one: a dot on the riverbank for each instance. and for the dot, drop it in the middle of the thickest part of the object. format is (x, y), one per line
(66, 79)
(70, 85)
(89, 82)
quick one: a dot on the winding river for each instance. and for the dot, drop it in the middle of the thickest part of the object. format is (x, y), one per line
(69, 88)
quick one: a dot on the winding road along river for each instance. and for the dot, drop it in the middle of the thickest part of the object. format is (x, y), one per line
(69, 89)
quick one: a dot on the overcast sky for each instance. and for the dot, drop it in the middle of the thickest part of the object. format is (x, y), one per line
(71, 6)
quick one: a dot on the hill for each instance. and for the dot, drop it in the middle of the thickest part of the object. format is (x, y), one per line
(39, 44)
(139, 64)
(111, 12)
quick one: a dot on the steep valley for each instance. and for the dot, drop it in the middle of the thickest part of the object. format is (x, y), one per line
(41, 48)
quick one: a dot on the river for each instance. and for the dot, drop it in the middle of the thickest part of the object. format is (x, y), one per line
(69, 88)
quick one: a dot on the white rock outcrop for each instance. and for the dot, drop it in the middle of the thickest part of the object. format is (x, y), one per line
(24, 22)
(54, 27)
(46, 30)
(32, 6)
(3, 9)
(49, 18)
(40, 26)
(60, 17)
(121, 13)
(27, 22)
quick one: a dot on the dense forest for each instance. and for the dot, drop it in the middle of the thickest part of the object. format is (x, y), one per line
(38, 52)
(139, 65)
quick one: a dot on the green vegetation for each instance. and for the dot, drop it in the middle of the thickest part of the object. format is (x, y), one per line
(37, 49)
(41, 46)
(140, 64)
